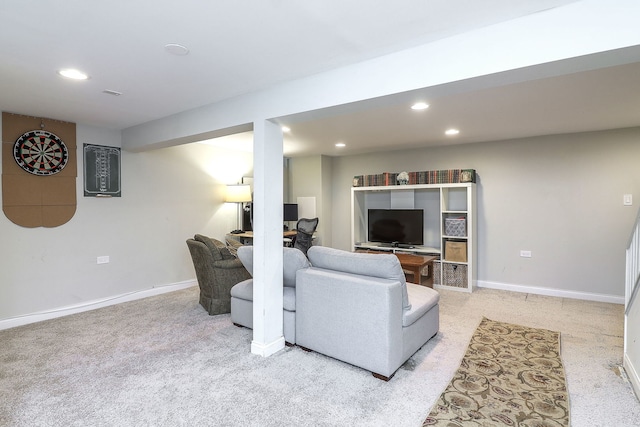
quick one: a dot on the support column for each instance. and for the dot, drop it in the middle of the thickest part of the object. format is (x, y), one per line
(267, 238)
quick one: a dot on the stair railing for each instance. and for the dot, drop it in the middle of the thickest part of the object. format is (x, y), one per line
(631, 360)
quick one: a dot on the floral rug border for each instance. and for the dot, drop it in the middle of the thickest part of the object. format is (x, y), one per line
(511, 375)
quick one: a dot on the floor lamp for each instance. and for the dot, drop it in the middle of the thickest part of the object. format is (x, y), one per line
(238, 194)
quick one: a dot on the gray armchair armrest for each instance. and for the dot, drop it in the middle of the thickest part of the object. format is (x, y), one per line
(229, 264)
(353, 318)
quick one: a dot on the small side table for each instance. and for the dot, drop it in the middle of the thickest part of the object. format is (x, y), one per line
(415, 264)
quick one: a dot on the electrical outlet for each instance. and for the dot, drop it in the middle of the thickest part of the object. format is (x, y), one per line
(525, 254)
(103, 259)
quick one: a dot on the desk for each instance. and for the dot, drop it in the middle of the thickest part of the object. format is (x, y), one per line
(246, 237)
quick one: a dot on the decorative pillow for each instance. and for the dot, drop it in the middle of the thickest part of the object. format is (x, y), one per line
(232, 246)
(224, 251)
(385, 266)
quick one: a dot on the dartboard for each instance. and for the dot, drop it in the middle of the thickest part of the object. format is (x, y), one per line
(40, 152)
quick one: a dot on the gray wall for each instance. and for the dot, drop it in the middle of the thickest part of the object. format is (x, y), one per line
(557, 196)
(167, 196)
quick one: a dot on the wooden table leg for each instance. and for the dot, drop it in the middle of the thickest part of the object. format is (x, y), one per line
(429, 266)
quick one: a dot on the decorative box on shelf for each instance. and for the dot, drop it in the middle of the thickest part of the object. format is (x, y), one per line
(455, 251)
(455, 227)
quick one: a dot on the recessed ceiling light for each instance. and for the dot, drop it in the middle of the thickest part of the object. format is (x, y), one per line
(451, 132)
(71, 73)
(176, 49)
(286, 129)
(420, 106)
(341, 144)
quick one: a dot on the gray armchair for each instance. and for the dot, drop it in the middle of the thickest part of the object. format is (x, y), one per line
(217, 271)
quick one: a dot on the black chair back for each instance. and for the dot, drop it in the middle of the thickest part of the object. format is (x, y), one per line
(304, 236)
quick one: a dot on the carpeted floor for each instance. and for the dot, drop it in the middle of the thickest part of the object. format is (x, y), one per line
(163, 361)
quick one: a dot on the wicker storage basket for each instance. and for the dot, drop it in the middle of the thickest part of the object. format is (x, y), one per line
(455, 227)
(436, 272)
(455, 275)
(455, 251)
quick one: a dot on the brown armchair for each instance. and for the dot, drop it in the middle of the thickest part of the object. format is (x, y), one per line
(217, 271)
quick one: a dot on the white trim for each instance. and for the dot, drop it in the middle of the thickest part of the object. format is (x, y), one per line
(266, 350)
(614, 299)
(26, 319)
(632, 374)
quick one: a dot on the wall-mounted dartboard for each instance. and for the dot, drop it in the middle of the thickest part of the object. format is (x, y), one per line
(40, 153)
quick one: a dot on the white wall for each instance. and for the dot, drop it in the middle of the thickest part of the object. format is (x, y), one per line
(167, 196)
(311, 177)
(326, 200)
(557, 196)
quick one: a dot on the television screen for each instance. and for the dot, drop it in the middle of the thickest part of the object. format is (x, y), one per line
(401, 226)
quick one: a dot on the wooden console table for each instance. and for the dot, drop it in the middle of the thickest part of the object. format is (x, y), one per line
(413, 263)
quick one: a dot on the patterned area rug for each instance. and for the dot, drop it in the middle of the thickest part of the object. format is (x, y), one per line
(511, 375)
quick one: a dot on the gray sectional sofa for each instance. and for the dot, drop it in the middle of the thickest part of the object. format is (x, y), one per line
(354, 307)
(242, 293)
(358, 308)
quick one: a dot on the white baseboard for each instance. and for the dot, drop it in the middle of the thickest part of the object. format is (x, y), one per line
(267, 349)
(632, 374)
(614, 299)
(26, 319)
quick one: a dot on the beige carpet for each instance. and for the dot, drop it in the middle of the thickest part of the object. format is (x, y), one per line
(163, 361)
(511, 375)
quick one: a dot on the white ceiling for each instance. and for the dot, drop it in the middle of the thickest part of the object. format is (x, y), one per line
(238, 47)
(607, 98)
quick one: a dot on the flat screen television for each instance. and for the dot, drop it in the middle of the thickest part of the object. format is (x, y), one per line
(396, 227)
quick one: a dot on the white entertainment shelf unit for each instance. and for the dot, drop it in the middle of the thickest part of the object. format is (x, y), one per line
(449, 226)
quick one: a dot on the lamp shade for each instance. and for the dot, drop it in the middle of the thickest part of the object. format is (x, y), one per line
(238, 193)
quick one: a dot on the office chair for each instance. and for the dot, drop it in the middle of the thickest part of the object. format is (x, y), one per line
(304, 236)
